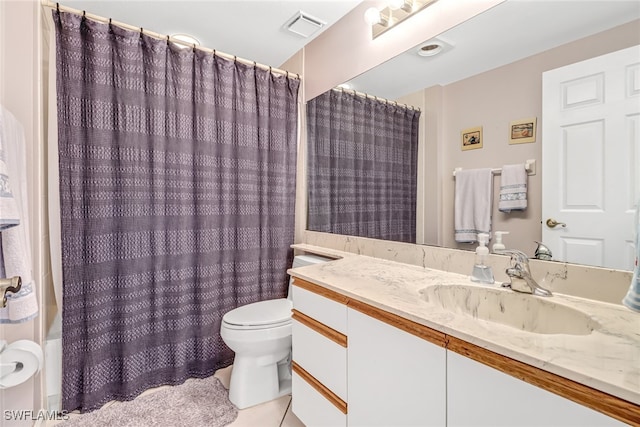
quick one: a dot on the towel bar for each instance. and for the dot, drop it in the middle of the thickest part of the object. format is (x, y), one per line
(529, 166)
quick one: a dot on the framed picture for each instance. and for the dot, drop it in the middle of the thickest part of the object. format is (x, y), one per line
(471, 138)
(522, 131)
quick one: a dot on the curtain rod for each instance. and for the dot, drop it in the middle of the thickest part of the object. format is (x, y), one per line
(377, 98)
(61, 8)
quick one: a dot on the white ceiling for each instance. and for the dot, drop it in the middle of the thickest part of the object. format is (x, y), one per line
(252, 30)
(506, 33)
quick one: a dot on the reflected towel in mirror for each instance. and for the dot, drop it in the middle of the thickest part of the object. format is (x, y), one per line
(513, 188)
(472, 204)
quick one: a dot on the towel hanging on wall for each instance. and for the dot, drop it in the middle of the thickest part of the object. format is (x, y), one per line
(513, 188)
(16, 249)
(9, 216)
(472, 204)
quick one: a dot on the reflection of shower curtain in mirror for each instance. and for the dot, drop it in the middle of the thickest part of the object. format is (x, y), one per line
(362, 167)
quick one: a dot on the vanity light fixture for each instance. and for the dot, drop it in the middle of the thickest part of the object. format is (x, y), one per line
(373, 16)
(392, 15)
(406, 5)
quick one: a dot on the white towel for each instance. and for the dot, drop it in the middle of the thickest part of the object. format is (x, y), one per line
(9, 216)
(16, 249)
(632, 299)
(513, 188)
(472, 209)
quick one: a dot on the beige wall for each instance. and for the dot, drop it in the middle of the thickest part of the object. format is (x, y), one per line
(491, 100)
(295, 64)
(20, 92)
(349, 47)
(348, 42)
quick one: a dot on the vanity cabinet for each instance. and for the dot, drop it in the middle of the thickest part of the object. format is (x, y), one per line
(357, 365)
(481, 395)
(395, 378)
(319, 356)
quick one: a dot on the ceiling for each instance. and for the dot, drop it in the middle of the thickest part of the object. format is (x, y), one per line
(508, 32)
(255, 30)
(252, 30)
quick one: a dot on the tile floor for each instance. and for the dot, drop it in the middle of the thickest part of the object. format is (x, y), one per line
(276, 413)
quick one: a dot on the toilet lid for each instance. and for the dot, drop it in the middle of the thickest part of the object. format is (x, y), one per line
(260, 313)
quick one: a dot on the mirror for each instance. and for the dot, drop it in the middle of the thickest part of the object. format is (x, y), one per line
(488, 73)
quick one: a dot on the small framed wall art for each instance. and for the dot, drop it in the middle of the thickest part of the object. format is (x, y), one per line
(522, 131)
(471, 138)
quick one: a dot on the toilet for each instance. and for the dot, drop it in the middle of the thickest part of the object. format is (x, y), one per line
(260, 335)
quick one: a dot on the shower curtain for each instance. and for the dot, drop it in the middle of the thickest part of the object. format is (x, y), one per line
(362, 166)
(177, 185)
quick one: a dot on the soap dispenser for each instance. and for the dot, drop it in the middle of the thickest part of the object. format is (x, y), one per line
(498, 245)
(482, 273)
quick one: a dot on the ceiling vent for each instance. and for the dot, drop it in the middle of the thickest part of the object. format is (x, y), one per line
(304, 24)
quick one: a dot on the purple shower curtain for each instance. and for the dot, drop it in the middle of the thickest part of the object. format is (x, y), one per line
(362, 167)
(177, 186)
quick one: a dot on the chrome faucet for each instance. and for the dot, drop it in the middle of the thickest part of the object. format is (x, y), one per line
(520, 275)
(12, 285)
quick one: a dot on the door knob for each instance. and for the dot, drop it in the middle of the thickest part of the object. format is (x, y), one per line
(552, 223)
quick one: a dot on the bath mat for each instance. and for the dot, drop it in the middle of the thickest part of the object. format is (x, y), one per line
(197, 402)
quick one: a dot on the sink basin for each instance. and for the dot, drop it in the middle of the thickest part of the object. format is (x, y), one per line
(521, 311)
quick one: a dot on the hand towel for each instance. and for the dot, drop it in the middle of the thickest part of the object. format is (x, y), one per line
(472, 208)
(9, 216)
(16, 249)
(513, 188)
(632, 299)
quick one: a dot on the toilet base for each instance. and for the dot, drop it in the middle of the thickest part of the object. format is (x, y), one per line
(256, 380)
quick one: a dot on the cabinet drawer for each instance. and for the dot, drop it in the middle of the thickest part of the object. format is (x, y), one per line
(312, 407)
(323, 309)
(322, 357)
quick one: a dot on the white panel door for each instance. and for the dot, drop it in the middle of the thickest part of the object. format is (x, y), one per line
(591, 159)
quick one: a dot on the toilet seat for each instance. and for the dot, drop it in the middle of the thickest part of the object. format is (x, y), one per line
(260, 315)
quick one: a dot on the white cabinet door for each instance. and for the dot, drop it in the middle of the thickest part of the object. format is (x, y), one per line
(478, 395)
(394, 378)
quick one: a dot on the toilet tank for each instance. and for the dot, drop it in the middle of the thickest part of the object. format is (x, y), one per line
(304, 260)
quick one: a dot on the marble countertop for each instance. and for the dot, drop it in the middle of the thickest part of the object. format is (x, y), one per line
(607, 359)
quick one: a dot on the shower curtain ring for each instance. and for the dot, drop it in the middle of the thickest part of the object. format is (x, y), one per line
(58, 7)
(194, 48)
(167, 39)
(84, 14)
